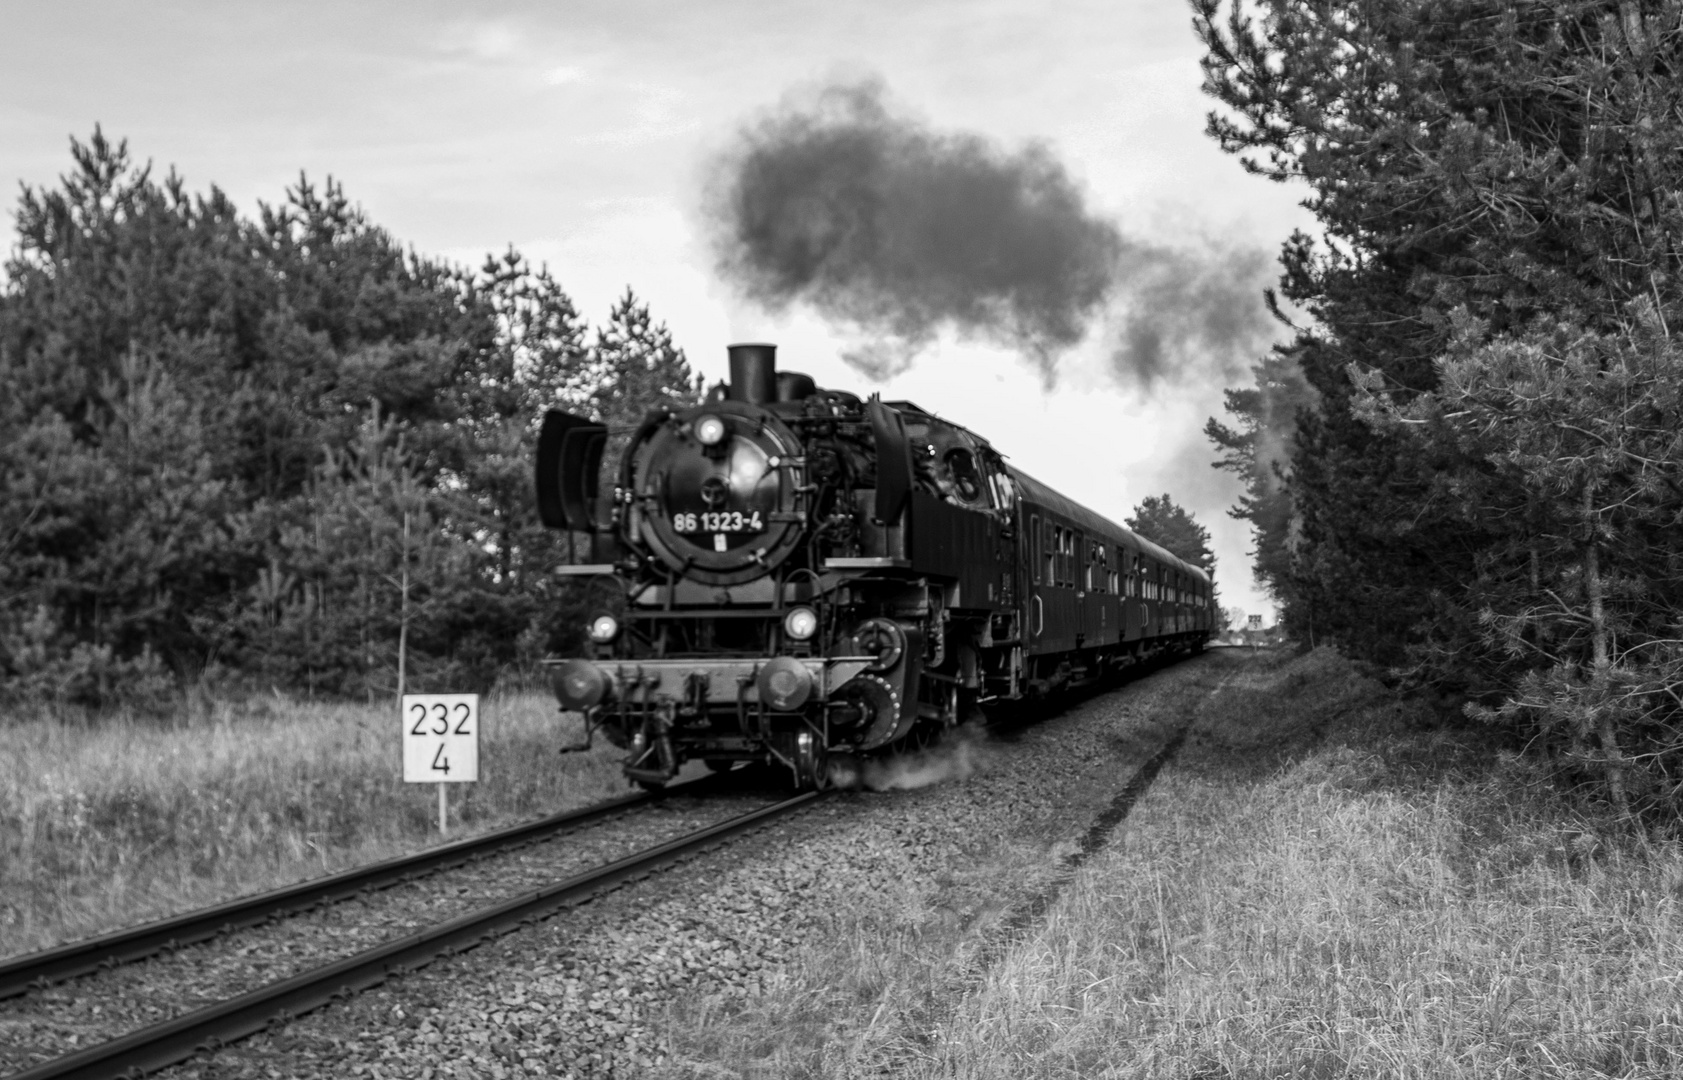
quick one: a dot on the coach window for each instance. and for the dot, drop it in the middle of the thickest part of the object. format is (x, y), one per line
(1055, 533)
(1039, 543)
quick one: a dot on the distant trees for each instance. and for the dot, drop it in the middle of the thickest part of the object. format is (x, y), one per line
(1485, 491)
(1259, 451)
(223, 441)
(1159, 519)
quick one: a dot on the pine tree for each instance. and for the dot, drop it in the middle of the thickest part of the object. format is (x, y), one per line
(1480, 496)
(1259, 452)
(1157, 518)
(187, 403)
(635, 368)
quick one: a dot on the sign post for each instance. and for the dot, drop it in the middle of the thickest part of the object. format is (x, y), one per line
(441, 743)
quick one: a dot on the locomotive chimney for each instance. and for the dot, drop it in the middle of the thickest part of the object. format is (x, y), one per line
(753, 373)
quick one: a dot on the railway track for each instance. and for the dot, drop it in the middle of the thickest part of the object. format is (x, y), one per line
(40, 969)
(160, 1045)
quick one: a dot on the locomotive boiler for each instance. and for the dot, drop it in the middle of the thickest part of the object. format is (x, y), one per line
(800, 576)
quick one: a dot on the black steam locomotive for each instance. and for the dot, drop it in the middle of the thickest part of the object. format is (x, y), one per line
(799, 576)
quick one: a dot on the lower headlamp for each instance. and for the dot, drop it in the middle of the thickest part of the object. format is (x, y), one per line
(604, 628)
(800, 624)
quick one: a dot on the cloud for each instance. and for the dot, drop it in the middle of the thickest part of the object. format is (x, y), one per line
(896, 232)
(492, 41)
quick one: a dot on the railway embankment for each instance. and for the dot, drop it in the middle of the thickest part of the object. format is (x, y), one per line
(1246, 864)
(110, 821)
(1320, 881)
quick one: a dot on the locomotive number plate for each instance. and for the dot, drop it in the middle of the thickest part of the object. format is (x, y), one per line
(725, 521)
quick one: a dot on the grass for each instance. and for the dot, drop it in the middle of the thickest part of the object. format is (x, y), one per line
(1321, 885)
(110, 823)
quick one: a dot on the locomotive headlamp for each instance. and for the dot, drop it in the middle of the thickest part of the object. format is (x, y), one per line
(801, 623)
(710, 431)
(604, 628)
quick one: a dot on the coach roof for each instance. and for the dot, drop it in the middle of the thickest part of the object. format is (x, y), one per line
(1035, 491)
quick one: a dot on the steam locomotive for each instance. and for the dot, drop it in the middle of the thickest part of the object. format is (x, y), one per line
(799, 576)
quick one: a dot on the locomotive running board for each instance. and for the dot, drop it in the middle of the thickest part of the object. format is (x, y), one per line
(874, 562)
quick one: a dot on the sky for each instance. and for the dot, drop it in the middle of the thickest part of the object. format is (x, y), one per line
(587, 134)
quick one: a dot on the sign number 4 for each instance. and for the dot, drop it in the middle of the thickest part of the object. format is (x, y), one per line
(440, 738)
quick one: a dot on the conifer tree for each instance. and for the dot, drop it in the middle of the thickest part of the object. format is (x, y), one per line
(1159, 519)
(212, 429)
(1258, 451)
(1480, 495)
(635, 367)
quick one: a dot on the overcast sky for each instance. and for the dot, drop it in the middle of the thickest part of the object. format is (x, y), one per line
(583, 133)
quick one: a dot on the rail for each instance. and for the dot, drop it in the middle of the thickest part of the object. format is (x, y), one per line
(173, 1041)
(49, 966)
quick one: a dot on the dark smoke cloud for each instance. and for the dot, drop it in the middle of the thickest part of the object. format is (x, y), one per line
(897, 232)
(1178, 311)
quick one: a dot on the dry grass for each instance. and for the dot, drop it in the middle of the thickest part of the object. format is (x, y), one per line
(1318, 887)
(112, 823)
(1392, 904)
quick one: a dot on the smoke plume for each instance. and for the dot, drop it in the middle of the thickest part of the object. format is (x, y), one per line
(1176, 311)
(896, 232)
(958, 756)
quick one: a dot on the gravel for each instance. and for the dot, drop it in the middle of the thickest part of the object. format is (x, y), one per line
(86, 1011)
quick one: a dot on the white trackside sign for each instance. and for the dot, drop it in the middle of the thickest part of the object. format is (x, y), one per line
(440, 738)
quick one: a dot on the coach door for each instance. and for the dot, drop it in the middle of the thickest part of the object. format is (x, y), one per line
(1057, 612)
(1133, 606)
(1095, 618)
(1103, 618)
